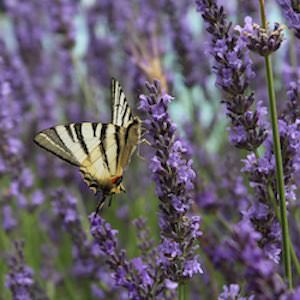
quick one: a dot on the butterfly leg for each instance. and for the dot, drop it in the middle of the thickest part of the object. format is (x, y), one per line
(110, 199)
(100, 205)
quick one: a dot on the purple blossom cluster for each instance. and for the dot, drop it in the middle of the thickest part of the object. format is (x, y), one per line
(174, 177)
(233, 69)
(291, 12)
(232, 292)
(261, 172)
(141, 280)
(262, 210)
(20, 277)
(261, 273)
(292, 112)
(261, 40)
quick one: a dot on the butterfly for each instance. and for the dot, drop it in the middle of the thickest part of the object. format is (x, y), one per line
(101, 151)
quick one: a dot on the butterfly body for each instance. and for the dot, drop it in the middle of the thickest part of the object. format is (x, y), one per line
(101, 151)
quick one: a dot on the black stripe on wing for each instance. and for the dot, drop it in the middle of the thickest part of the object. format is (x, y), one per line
(56, 154)
(80, 137)
(121, 112)
(94, 126)
(51, 141)
(117, 140)
(102, 145)
(69, 130)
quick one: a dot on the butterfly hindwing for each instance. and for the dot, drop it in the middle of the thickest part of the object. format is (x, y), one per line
(130, 139)
(121, 112)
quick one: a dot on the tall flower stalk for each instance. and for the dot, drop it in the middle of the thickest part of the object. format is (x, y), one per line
(278, 157)
(172, 171)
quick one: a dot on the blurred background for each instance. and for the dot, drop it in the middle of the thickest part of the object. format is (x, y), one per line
(57, 58)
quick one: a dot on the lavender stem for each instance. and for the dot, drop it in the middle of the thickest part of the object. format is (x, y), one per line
(278, 157)
(181, 290)
(294, 257)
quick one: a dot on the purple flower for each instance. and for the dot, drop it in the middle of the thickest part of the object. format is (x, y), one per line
(249, 128)
(261, 40)
(292, 109)
(233, 68)
(97, 292)
(142, 271)
(37, 198)
(169, 250)
(260, 272)
(171, 285)
(174, 177)
(291, 295)
(232, 292)
(145, 242)
(192, 267)
(291, 14)
(141, 277)
(8, 220)
(20, 277)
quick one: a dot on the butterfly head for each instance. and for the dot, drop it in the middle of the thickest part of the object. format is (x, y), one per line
(117, 185)
(109, 186)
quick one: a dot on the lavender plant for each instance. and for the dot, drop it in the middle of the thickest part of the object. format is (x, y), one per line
(264, 42)
(20, 278)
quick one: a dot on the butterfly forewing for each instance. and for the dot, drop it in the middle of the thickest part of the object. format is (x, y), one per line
(91, 146)
(54, 141)
(121, 112)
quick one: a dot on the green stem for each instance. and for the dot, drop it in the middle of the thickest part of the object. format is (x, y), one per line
(295, 258)
(278, 157)
(293, 253)
(181, 290)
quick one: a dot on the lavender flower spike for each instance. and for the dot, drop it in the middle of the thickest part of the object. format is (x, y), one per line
(291, 13)
(135, 275)
(20, 278)
(233, 68)
(232, 292)
(174, 178)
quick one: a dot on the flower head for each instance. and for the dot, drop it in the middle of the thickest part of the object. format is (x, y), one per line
(20, 278)
(174, 177)
(233, 68)
(261, 40)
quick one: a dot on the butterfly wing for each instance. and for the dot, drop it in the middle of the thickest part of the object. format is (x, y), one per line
(130, 138)
(93, 147)
(101, 151)
(58, 141)
(121, 112)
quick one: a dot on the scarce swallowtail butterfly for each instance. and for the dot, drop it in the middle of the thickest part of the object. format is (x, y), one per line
(101, 151)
